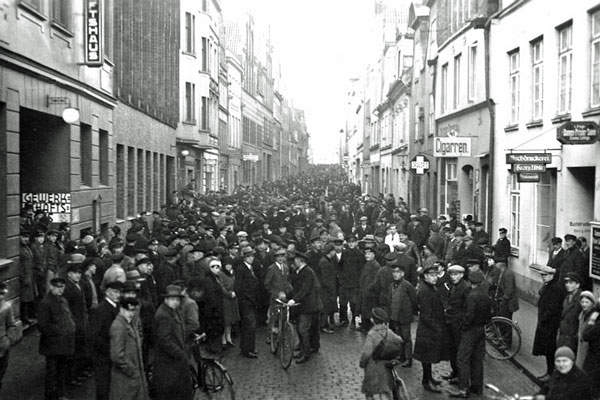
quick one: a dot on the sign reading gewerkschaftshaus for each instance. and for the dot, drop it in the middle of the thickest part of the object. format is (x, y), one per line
(528, 158)
(595, 250)
(577, 132)
(93, 33)
(57, 205)
(452, 146)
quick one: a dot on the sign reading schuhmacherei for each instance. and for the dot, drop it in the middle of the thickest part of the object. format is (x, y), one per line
(528, 158)
(93, 33)
(452, 146)
(57, 205)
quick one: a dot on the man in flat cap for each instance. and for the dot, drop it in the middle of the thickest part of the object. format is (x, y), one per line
(550, 305)
(454, 309)
(57, 339)
(569, 320)
(502, 247)
(574, 261)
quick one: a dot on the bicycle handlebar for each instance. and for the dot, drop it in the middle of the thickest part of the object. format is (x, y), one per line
(283, 303)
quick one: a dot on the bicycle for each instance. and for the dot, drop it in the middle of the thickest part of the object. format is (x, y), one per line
(500, 395)
(282, 337)
(400, 390)
(502, 337)
(210, 379)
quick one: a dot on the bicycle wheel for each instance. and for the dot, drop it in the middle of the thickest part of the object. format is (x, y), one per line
(218, 385)
(502, 338)
(274, 343)
(286, 351)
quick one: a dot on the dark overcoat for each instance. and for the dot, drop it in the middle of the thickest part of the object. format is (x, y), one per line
(100, 322)
(307, 291)
(28, 290)
(431, 341)
(366, 298)
(56, 326)
(326, 275)
(591, 365)
(569, 322)
(572, 385)
(550, 306)
(127, 377)
(351, 267)
(171, 375)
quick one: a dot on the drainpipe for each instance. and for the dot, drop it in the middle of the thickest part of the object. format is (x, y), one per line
(492, 110)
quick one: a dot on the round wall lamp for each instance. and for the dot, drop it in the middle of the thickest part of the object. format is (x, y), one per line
(185, 153)
(70, 114)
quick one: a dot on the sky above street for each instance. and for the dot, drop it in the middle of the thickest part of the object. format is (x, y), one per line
(320, 45)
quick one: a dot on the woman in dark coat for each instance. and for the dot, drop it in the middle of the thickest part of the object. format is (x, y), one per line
(326, 274)
(549, 311)
(591, 334)
(568, 382)
(210, 307)
(432, 340)
(231, 310)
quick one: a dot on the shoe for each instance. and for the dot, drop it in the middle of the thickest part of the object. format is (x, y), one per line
(461, 394)
(543, 378)
(327, 330)
(230, 344)
(407, 364)
(302, 359)
(250, 355)
(430, 387)
(449, 376)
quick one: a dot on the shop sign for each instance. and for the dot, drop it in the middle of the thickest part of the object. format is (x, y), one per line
(452, 146)
(419, 165)
(529, 167)
(528, 177)
(250, 157)
(93, 34)
(528, 158)
(595, 250)
(57, 205)
(577, 132)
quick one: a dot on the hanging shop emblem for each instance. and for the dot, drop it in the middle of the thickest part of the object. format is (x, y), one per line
(452, 146)
(574, 132)
(419, 165)
(93, 33)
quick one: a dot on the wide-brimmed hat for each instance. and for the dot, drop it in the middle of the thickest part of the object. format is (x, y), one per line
(247, 251)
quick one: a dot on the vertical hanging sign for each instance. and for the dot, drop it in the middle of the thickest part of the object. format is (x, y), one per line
(93, 33)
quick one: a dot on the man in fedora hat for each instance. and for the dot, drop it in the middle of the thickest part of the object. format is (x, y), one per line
(171, 376)
(246, 289)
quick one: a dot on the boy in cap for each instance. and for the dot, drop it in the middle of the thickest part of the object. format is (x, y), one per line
(569, 322)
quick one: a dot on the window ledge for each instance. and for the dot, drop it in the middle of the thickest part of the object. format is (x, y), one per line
(511, 128)
(189, 54)
(61, 28)
(30, 9)
(192, 122)
(4, 263)
(591, 112)
(561, 118)
(534, 124)
(514, 252)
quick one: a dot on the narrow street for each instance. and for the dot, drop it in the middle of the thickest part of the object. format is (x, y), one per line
(332, 374)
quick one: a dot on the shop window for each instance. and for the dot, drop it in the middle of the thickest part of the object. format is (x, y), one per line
(515, 211)
(103, 154)
(545, 219)
(120, 200)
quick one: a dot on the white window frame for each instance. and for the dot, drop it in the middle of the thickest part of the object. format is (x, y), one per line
(565, 69)
(514, 61)
(457, 79)
(431, 114)
(444, 89)
(515, 210)
(595, 59)
(417, 123)
(190, 103)
(472, 79)
(190, 33)
(537, 80)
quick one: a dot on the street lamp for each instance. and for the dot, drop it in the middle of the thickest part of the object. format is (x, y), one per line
(70, 114)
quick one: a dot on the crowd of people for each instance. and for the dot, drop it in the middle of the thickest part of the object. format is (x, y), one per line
(125, 307)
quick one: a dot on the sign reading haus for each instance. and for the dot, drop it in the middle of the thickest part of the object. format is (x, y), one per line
(93, 34)
(583, 132)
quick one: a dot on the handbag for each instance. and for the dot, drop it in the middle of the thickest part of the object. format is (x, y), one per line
(387, 349)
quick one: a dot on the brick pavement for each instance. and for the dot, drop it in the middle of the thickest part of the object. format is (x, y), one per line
(334, 373)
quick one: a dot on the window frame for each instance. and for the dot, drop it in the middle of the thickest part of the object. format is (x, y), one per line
(190, 33)
(190, 103)
(537, 79)
(514, 70)
(565, 77)
(444, 89)
(472, 73)
(515, 212)
(456, 98)
(595, 63)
